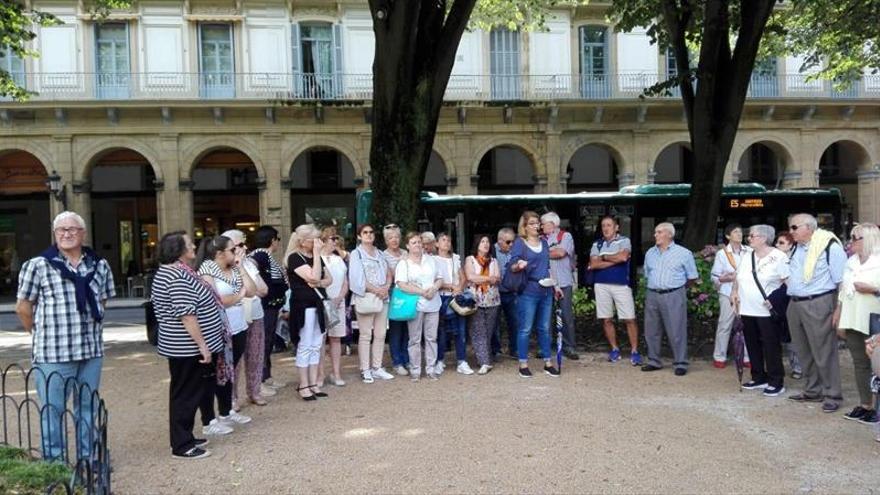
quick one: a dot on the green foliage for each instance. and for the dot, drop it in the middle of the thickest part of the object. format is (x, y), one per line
(22, 475)
(583, 304)
(527, 15)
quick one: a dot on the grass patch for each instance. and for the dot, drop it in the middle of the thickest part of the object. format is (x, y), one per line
(19, 474)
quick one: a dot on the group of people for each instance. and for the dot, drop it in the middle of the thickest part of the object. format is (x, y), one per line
(218, 308)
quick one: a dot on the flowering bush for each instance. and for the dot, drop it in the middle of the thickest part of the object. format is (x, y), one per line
(702, 296)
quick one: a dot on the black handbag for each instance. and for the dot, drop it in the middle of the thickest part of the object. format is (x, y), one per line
(775, 315)
(152, 323)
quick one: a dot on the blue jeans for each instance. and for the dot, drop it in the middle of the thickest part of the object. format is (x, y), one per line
(62, 379)
(455, 324)
(508, 307)
(398, 340)
(534, 311)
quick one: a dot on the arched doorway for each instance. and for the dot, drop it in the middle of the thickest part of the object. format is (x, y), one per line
(592, 168)
(674, 165)
(25, 226)
(763, 163)
(435, 176)
(839, 167)
(505, 170)
(323, 190)
(125, 226)
(225, 193)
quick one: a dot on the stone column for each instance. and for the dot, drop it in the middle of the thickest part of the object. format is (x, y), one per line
(869, 195)
(640, 165)
(174, 205)
(557, 178)
(463, 161)
(270, 187)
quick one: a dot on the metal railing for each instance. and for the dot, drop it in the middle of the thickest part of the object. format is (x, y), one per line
(58, 86)
(84, 444)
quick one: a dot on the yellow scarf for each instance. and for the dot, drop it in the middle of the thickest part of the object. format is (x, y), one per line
(818, 243)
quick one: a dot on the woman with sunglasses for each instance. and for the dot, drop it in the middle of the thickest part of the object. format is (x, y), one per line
(531, 254)
(219, 261)
(398, 337)
(369, 275)
(337, 293)
(858, 299)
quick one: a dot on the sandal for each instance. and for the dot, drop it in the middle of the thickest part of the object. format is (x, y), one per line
(306, 397)
(259, 401)
(317, 393)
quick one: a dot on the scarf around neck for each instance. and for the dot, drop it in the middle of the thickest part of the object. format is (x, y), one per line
(86, 300)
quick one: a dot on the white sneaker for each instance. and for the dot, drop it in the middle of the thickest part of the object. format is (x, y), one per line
(339, 382)
(464, 368)
(439, 366)
(484, 369)
(271, 382)
(235, 417)
(381, 373)
(367, 376)
(215, 427)
(401, 370)
(267, 391)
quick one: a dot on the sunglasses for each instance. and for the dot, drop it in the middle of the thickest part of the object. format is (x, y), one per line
(391, 226)
(365, 232)
(856, 238)
(507, 243)
(793, 227)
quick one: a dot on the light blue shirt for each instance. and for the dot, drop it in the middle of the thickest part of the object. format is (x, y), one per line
(669, 269)
(825, 278)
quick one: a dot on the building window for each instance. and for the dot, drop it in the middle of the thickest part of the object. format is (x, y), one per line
(112, 69)
(594, 62)
(504, 64)
(14, 65)
(317, 60)
(764, 82)
(216, 61)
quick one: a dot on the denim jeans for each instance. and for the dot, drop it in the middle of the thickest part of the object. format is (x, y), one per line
(455, 324)
(534, 311)
(55, 382)
(508, 307)
(398, 340)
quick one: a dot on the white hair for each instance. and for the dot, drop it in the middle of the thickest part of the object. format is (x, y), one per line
(668, 227)
(550, 217)
(428, 237)
(767, 232)
(808, 220)
(64, 215)
(235, 235)
(505, 231)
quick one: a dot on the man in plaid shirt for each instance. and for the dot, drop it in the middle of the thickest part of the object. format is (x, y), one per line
(61, 297)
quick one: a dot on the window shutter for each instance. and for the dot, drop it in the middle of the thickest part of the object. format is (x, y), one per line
(337, 60)
(296, 60)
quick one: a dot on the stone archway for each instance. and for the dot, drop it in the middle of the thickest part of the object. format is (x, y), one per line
(323, 188)
(506, 169)
(764, 162)
(840, 166)
(593, 167)
(225, 184)
(674, 164)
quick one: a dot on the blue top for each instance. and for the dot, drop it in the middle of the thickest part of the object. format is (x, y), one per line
(502, 258)
(538, 265)
(824, 279)
(617, 274)
(669, 269)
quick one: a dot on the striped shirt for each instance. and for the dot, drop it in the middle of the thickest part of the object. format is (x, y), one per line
(61, 333)
(669, 269)
(177, 293)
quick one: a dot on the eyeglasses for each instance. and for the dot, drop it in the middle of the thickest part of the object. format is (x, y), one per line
(793, 227)
(241, 245)
(391, 226)
(334, 238)
(856, 238)
(68, 230)
(533, 224)
(365, 232)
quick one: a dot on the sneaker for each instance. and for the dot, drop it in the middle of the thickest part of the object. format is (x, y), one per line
(551, 370)
(856, 414)
(335, 380)
(773, 391)
(614, 356)
(753, 385)
(635, 358)
(439, 367)
(464, 368)
(267, 391)
(235, 417)
(719, 364)
(830, 407)
(401, 370)
(525, 373)
(215, 427)
(271, 382)
(797, 375)
(347, 350)
(414, 377)
(382, 374)
(367, 376)
(193, 453)
(805, 398)
(200, 442)
(869, 418)
(484, 369)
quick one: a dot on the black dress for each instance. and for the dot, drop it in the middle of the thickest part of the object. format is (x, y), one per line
(302, 296)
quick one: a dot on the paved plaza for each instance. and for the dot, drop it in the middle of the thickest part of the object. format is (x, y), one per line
(598, 428)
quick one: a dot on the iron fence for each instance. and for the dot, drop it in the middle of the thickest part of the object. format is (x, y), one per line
(76, 438)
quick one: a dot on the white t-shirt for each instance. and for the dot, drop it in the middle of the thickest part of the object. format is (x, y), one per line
(772, 271)
(423, 275)
(338, 271)
(235, 313)
(254, 272)
(449, 269)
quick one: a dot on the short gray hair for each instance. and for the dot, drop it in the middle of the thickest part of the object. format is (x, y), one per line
(64, 215)
(390, 230)
(765, 231)
(235, 234)
(668, 227)
(550, 217)
(428, 236)
(808, 220)
(506, 231)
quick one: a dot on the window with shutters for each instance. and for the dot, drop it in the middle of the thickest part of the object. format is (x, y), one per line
(764, 82)
(504, 65)
(112, 68)
(594, 62)
(317, 60)
(216, 62)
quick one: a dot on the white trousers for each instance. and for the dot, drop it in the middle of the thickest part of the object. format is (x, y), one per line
(311, 340)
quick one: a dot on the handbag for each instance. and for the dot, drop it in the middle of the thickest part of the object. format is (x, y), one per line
(152, 323)
(464, 304)
(331, 310)
(874, 323)
(403, 304)
(369, 303)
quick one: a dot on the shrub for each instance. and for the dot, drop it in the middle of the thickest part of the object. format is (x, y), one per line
(23, 475)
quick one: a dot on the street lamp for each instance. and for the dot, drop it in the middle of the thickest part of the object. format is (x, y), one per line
(58, 190)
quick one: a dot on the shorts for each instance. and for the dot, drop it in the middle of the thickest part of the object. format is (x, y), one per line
(609, 296)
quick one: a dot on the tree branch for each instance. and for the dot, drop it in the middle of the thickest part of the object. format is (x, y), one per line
(447, 45)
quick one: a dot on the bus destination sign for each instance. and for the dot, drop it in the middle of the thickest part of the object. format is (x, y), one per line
(746, 203)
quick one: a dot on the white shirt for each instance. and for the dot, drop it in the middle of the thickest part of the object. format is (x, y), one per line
(256, 308)
(449, 269)
(722, 265)
(234, 313)
(337, 268)
(422, 275)
(772, 271)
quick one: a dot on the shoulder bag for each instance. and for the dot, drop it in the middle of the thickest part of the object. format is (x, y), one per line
(369, 303)
(331, 311)
(774, 314)
(403, 304)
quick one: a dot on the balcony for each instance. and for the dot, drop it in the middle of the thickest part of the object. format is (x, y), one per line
(153, 86)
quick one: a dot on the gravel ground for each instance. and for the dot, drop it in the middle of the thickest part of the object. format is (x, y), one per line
(598, 428)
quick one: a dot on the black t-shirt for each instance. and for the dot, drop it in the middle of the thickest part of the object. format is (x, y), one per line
(301, 295)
